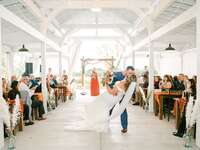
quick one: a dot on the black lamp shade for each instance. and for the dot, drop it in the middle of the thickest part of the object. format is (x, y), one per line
(170, 48)
(23, 49)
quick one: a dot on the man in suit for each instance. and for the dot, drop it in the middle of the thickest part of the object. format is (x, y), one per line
(118, 76)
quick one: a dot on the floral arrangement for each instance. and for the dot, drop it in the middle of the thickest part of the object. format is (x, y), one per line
(107, 76)
(192, 112)
(10, 119)
(4, 112)
(195, 113)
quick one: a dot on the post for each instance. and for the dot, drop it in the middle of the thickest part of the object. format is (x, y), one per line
(43, 64)
(182, 68)
(10, 56)
(112, 63)
(1, 92)
(60, 63)
(83, 72)
(151, 70)
(198, 68)
(1, 53)
(133, 59)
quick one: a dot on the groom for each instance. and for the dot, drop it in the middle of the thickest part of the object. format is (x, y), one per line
(118, 77)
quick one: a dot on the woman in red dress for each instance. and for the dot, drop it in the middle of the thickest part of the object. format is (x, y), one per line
(94, 84)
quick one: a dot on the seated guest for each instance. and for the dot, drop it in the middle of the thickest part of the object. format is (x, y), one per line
(182, 127)
(33, 82)
(193, 88)
(175, 82)
(195, 78)
(157, 81)
(54, 82)
(26, 98)
(179, 83)
(37, 101)
(12, 95)
(166, 83)
(187, 85)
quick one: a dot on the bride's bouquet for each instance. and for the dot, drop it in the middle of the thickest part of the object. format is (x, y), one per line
(107, 77)
(192, 112)
(10, 119)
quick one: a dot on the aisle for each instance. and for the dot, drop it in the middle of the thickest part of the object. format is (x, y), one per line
(146, 132)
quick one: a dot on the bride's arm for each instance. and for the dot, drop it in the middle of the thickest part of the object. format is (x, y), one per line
(113, 91)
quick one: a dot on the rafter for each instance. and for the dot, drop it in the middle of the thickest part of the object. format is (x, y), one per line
(142, 22)
(94, 26)
(178, 21)
(37, 12)
(113, 4)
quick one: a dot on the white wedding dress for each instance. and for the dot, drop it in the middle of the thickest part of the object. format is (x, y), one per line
(97, 113)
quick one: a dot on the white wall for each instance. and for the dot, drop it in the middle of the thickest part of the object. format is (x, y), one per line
(170, 63)
(190, 63)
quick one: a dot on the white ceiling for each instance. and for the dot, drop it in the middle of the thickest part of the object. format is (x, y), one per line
(72, 15)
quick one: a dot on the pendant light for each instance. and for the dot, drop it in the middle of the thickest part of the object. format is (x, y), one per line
(170, 48)
(23, 49)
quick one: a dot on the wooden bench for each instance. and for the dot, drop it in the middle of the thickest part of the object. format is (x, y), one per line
(159, 98)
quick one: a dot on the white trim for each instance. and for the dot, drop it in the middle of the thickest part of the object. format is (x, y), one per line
(198, 68)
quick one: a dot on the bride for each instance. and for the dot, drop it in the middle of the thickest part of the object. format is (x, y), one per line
(100, 111)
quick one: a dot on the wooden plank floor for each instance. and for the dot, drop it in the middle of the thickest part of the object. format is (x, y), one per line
(146, 132)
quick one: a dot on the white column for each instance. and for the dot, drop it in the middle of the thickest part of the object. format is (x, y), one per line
(1, 93)
(133, 59)
(151, 70)
(60, 63)
(1, 53)
(181, 55)
(10, 57)
(68, 64)
(43, 64)
(198, 67)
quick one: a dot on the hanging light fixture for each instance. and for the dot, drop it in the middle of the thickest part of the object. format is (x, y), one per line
(23, 49)
(170, 48)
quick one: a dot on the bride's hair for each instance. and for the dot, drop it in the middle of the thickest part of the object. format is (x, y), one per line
(128, 81)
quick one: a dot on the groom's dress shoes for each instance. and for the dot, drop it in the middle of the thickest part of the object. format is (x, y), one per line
(124, 130)
(177, 134)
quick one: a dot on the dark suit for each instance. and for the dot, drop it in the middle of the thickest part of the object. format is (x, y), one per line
(118, 76)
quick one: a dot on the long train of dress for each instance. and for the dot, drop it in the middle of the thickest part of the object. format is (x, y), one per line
(97, 117)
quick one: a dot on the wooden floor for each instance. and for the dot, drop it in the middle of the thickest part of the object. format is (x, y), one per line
(146, 132)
